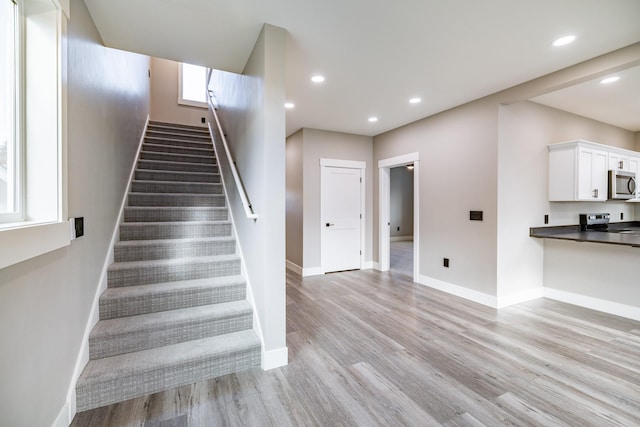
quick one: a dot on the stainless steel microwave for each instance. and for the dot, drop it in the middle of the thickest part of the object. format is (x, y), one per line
(622, 185)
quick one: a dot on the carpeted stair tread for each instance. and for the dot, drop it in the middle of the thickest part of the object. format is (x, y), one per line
(177, 142)
(155, 186)
(179, 135)
(180, 126)
(135, 300)
(146, 250)
(178, 149)
(162, 165)
(135, 333)
(134, 273)
(173, 230)
(177, 176)
(176, 199)
(176, 157)
(118, 378)
(146, 214)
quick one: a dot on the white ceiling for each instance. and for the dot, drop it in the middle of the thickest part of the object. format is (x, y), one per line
(377, 54)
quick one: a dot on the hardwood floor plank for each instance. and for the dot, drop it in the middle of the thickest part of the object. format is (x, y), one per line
(374, 349)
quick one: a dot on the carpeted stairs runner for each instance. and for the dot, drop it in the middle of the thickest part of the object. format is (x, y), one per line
(175, 311)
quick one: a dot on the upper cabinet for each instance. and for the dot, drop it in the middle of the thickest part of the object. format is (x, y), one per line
(578, 170)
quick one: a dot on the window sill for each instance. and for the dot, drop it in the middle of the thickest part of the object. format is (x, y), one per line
(197, 104)
(30, 240)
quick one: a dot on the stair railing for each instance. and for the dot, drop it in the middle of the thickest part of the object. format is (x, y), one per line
(242, 191)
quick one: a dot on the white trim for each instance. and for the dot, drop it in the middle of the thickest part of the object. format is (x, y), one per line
(21, 244)
(94, 314)
(401, 238)
(257, 327)
(338, 163)
(399, 160)
(368, 265)
(517, 298)
(347, 164)
(460, 291)
(294, 267)
(610, 307)
(275, 358)
(384, 213)
(313, 271)
(64, 417)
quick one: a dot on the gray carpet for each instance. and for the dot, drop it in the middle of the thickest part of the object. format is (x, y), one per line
(175, 310)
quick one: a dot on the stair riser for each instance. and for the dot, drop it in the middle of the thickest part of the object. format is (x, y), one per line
(163, 214)
(173, 250)
(190, 129)
(169, 157)
(174, 142)
(169, 300)
(94, 395)
(173, 231)
(176, 200)
(175, 187)
(171, 273)
(178, 149)
(180, 167)
(184, 136)
(157, 175)
(169, 334)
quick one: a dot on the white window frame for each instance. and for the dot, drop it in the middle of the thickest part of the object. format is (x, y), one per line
(188, 102)
(44, 227)
(16, 149)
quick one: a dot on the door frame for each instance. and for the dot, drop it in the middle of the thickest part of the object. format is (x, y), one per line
(384, 216)
(347, 164)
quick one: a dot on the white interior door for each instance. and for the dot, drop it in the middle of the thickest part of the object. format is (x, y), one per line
(341, 215)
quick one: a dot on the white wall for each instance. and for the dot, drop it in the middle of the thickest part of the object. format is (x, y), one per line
(401, 201)
(45, 302)
(458, 173)
(164, 96)
(319, 144)
(251, 107)
(294, 183)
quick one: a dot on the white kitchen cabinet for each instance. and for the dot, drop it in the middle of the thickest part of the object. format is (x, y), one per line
(634, 166)
(618, 161)
(577, 172)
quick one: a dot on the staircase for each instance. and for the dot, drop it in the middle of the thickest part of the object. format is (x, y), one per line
(175, 310)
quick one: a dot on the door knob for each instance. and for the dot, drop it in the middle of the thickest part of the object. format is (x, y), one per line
(329, 224)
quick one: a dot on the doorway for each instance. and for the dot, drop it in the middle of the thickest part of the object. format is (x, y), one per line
(401, 218)
(384, 242)
(342, 218)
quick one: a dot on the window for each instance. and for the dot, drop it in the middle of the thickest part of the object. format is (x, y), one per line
(32, 128)
(193, 85)
(10, 153)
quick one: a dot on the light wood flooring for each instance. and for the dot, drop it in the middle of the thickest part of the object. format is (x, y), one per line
(369, 348)
(401, 258)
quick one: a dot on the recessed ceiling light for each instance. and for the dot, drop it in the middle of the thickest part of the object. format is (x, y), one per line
(289, 105)
(415, 100)
(317, 79)
(610, 80)
(373, 119)
(564, 40)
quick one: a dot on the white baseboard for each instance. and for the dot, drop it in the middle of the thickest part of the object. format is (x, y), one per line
(64, 417)
(368, 265)
(275, 358)
(460, 291)
(401, 238)
(610, 307)
(528, 295)
(314, 271)
(294, 267)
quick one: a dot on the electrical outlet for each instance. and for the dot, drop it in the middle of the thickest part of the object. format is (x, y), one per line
(398, 228)
(202, 120)
(446, 262)
(475, 215)
(621, 216)
(546, 219)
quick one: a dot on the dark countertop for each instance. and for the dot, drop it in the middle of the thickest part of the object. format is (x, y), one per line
(573, 232)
